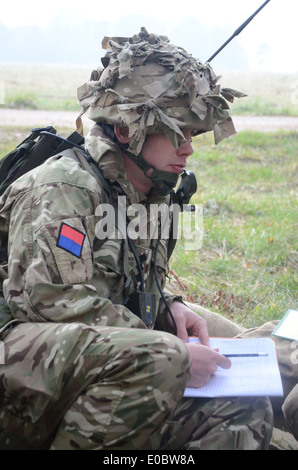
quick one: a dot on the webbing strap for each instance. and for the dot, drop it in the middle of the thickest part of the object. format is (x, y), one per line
(88, 164)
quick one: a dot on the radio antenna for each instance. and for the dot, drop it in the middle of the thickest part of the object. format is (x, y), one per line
(238, 30)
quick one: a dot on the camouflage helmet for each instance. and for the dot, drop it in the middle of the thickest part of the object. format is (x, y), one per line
(151, 86)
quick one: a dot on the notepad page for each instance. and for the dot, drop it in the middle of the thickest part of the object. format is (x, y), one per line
(248, 376)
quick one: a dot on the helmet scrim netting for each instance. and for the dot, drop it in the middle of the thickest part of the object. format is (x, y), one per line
(151, 86)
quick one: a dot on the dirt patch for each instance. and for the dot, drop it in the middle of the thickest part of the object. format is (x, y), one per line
(265, 123)
(37, 118)
(282, 440)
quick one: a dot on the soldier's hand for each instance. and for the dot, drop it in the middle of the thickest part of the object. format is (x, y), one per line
(204, 363)
(189, 323)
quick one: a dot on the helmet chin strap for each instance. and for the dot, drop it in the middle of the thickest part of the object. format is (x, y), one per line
(163, 181)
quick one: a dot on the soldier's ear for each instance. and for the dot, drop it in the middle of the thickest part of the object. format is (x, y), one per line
(122, 134)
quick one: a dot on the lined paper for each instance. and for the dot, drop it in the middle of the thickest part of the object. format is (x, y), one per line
(248, 376)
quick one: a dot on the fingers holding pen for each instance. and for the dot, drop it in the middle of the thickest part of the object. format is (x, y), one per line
(204, 363)
(223, 361)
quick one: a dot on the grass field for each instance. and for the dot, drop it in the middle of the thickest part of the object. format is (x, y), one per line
(54, 87)
(42, 86)
(246, 268)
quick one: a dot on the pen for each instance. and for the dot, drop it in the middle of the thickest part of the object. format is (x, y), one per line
(246, 355)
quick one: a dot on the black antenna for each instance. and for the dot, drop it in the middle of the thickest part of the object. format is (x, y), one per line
(238, 31)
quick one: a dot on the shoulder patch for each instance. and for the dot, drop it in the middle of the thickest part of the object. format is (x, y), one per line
(70, 239)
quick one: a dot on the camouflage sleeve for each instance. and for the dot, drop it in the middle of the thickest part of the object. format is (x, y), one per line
(52, 273)
(162, 317)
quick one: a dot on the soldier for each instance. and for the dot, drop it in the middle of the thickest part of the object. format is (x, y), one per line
(83, 369)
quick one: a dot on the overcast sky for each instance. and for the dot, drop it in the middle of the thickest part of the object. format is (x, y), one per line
(268, 43)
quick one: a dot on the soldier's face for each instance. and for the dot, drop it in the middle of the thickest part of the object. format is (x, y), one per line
(159, 152)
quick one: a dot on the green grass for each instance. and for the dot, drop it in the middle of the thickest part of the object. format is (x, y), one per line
(269, 94)
(247, 266)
